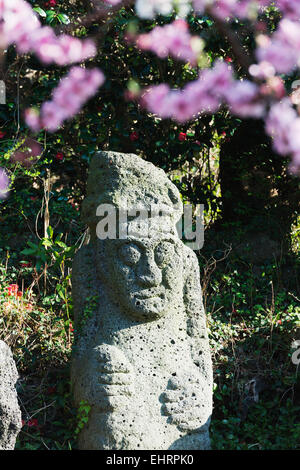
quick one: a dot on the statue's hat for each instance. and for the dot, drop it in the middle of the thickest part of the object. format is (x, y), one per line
(128, 182)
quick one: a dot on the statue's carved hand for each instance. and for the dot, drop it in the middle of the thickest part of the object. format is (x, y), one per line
(187, 402)
(113, 377)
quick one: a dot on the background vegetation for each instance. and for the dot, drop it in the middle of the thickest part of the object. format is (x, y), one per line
(249, 263)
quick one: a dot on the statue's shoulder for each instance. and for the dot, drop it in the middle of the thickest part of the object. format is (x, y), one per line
(83, 256)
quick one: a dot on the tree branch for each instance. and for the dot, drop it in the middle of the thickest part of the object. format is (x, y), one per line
(234, 40)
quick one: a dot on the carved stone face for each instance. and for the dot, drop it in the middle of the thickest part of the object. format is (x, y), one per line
(146, 275)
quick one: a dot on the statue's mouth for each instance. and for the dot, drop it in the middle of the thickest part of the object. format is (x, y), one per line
(149, 294)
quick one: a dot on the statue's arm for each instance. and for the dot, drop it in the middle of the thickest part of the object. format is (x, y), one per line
(188, 398)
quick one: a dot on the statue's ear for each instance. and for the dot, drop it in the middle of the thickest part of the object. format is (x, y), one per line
(195, 314)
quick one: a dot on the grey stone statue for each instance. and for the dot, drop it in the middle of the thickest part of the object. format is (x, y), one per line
(141, 359)
(10, 413)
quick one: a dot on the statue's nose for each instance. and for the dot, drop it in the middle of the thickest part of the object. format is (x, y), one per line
(149, 273)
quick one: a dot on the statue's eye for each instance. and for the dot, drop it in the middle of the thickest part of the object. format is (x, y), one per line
(130, 254)
(164, 252)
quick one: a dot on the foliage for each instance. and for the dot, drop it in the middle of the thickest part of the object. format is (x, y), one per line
(253, 320)
(82, 416)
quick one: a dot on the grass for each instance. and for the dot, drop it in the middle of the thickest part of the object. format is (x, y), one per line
(253, 325)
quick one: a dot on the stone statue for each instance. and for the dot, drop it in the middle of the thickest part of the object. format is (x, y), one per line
(10, 413)
(141, 359)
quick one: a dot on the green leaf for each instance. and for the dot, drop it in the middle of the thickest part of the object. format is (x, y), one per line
(61, 294)
(51, 15)
(28, 251)
(33, 245)
(61, 244)
(47, 242)
(50, 231)
(62, 18)
(40, 11)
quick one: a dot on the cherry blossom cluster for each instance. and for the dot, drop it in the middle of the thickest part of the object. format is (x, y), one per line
(230, 8)
(148, 9)
(172, 39)
(282, 49)
(220, 8)
(262, 97)
(19, 25)
(68, 98)
(214, 87)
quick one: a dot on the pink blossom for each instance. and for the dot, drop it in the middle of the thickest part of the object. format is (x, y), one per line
(4, 184)
(230, 8)
(263, 70)
(244, 100)
(214, 87)
(67, 99)
(172, 39)
(18, 18)
(112, 2)
(181, 106)
(293, 136)
(224, 8)
(273, 87)
(278, 122)
(52, 116)
(283, 124)
(21, 26)
(282, 50)
(219, 78)
(32, 119)
(294, 166)
(291, 8)
(284, 60)
(155, 97)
